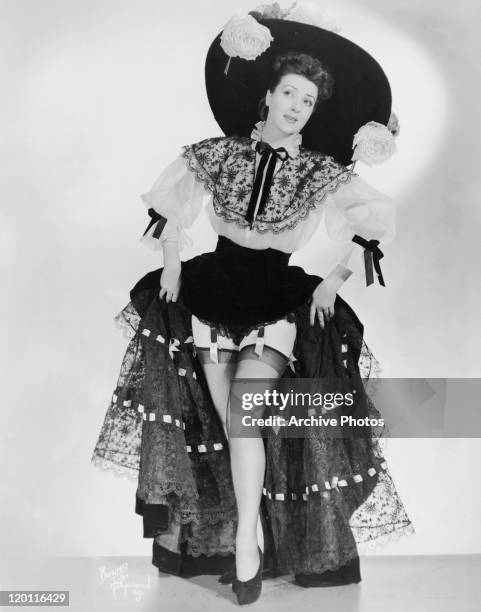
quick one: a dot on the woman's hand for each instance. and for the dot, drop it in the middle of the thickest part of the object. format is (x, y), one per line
(170, 283)
(322, 303)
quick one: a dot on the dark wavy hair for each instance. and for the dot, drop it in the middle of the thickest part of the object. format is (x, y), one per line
(305, 65)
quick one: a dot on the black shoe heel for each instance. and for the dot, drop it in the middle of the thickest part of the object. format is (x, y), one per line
(270, 570)
(250, 590)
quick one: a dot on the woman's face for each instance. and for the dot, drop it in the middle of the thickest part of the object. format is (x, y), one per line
(291, 104)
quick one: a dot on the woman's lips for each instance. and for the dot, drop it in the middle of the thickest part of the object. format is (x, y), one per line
(290, 119)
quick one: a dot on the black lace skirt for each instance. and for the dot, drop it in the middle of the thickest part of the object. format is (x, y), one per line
(321, 495)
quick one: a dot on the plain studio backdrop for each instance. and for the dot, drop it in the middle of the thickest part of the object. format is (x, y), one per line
(98, 97)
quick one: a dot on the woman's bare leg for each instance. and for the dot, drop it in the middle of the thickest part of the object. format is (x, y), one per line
(247, 454)
(248, 466)
(218, 377)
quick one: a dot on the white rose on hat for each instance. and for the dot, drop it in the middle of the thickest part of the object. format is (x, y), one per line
(373, 144)
(245, 37)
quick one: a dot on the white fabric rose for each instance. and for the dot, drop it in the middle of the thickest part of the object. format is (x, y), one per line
(373, 144)
(311, 14)
(245, 37)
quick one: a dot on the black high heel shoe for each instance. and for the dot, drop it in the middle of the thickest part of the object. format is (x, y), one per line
(250, 590)
(269, 571)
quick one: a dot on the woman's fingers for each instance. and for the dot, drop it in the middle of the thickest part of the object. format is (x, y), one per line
(312, 314)
(324, 314)
(165, 293)
(177, 290)
(320, 316)
(327, 314)
(168, 294)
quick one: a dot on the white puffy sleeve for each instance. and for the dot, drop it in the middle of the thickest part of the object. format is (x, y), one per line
(177, 197)
(355, 210)
(173, 203)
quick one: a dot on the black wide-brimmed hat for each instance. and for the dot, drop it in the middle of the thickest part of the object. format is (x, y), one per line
(361, 89)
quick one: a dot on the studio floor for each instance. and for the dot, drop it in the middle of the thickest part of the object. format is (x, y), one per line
(416, 584)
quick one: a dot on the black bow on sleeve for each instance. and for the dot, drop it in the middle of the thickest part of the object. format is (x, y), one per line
(372, 254)
(155, 217)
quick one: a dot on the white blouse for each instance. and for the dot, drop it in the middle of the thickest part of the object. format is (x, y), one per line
(353, 207)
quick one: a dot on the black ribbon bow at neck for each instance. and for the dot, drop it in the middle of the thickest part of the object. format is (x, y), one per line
(154, 216)
(372, 254)
(263, 178)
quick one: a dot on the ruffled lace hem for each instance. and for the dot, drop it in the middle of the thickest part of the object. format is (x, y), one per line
(152, 243)
(194, 165)
(156, 244)
(168, 488)
(377, 541)
(333, 559)
(128, 321)
(120, 471)
(236, 336)
(197, 547)
(213, 517)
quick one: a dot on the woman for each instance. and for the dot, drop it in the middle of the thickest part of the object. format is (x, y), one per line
(243, 312)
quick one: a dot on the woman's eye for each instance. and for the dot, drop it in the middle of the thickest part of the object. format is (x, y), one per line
(309, 102)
